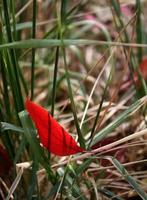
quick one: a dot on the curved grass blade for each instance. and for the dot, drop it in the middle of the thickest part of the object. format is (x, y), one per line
(128, 178)
(7, 126)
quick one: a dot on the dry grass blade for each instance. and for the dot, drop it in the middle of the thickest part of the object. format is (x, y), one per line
(94, 86)
(15, 183)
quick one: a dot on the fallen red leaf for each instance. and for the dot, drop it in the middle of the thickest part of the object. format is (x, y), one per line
(52, 135)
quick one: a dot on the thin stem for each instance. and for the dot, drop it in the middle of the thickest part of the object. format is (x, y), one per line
(33, 50)
(55, 80)
(61, 28)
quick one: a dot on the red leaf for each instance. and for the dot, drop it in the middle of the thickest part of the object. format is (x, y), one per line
(51, 134)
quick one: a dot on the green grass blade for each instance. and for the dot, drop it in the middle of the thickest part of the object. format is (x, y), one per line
(21, 149)
(79, 170)
(55, 27)
(5, 88)
(13, 56)
(116, 7)
(12, 8)
(80, 137)
(33, 182)
(64, 11)
(129, 178)
(30, 133)
(8, 79)
(12, 81)
(124, 37)
(114, 124)
(35, 148)
(5, 138)
(100, 107)
(33, 50)
(109, 194)
(7, 126)
(44, 43)
(53, 190)
(73, 188)
(139, 39)
(139, 29)
(55, 81)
